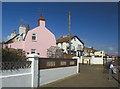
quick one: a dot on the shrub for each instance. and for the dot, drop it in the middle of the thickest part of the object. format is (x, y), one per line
(10, 54)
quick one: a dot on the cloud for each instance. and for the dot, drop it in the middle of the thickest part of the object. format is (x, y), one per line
(4, 39)
(23, 21)
(84, 39)
(111, 48)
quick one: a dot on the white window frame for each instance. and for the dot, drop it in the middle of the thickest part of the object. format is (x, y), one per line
(32, 51)
(35, 35)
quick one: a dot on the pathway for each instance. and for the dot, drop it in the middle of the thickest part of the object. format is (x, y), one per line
(89, 76)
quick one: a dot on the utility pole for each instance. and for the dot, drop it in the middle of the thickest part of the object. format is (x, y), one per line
(69, 35)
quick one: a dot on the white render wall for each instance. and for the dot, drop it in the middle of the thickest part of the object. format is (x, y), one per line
(16, 78)
(50, 75)
(76, 43)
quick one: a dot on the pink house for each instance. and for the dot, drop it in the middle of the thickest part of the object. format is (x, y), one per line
(37, 40)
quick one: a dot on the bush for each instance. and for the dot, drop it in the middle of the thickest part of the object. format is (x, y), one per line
(10, 54)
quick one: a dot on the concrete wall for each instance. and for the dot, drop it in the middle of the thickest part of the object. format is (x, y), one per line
(97, 60)
(50, 75)
(16, 78)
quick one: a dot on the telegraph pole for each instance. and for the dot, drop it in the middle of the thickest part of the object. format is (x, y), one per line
(69, 35)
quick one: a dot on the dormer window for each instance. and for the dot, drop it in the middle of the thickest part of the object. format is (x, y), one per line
(33, 37)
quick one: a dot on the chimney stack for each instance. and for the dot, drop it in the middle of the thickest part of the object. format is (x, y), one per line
(14, 32)
(28, 28)
(68, 34)
(41, 21)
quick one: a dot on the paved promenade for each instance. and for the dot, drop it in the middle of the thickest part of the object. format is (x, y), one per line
(89, 76)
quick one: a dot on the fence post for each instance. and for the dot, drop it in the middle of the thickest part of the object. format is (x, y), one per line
(34, 69)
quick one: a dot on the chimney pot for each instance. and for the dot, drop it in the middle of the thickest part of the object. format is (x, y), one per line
(61, 36)
(28, 28)
(68, 34)
(14, 31)
(40, 15)
(23, 25)
(20, 25)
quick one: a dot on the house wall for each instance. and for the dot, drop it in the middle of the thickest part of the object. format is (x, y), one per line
(76, 43)
(59, 45)
(65, 46)
(45, 39)
(99, 53)
(17, 45)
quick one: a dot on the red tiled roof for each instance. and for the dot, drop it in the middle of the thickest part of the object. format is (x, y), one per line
(86, 48)
(65, 39)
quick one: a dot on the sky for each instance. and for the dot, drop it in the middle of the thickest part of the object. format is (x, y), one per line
(95, 23)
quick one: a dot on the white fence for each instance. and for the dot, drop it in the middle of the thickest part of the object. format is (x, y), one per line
(32, 76)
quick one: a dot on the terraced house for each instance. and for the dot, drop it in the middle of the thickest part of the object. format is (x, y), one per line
(34, 41)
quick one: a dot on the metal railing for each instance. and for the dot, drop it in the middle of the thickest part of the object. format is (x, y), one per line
(15, 65)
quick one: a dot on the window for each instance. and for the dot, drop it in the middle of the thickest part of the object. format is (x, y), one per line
(74, 39)
(72, 62)
(63, 63)
(50, 52)
(32, 51)
(57, 45)
(17, 38)
(33, 37)
(50, 63)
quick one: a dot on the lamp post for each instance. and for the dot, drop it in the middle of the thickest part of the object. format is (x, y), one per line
(81, 54)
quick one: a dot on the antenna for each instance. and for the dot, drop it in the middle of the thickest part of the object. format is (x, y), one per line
(69, 35)
(42, 10)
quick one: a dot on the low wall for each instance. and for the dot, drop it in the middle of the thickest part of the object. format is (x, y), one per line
(16, 78)
(98, 60)
(52, 69)
(50, 75)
